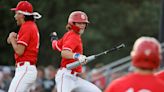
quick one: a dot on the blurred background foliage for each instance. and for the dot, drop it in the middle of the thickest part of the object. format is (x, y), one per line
(112, 22)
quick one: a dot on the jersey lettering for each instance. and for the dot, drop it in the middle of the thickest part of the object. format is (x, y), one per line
(141, 90)
(130, 90)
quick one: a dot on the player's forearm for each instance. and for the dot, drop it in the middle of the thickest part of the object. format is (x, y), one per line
(13, 43)
(16, 47)
(67, 54)
(55, 45)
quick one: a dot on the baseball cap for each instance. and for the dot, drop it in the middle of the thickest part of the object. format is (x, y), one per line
(26, 8)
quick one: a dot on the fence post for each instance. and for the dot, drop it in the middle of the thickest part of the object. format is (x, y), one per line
(161, 31)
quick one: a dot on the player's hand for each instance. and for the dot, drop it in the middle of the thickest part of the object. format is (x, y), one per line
(8, 41)
(81, 58)
(53, 36)
(12, 35)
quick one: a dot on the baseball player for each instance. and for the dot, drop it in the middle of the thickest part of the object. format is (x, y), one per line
(70, 46)
(160, 75)
(146, 56)
(25, 45)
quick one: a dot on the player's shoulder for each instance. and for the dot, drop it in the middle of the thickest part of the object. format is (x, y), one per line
(127, 78)
(116, 84)
(29, 25)
(160, 75)
(159, 84)
(71, 35)
(120, 80)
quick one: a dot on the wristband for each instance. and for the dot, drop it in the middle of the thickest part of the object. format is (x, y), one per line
(76, 56)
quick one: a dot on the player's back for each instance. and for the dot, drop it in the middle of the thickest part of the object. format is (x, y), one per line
(136, 83)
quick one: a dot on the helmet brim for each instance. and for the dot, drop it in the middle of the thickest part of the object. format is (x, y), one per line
(13, 9)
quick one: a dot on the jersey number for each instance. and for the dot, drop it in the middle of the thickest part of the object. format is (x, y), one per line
(141, 90)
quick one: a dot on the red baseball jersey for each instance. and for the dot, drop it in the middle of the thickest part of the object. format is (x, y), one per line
(134, 82)
(28, 36)
(70, 41)
(160, 75)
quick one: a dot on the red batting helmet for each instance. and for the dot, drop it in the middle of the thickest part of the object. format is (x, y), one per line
(146, 53)
(24, 6)
(77, 16)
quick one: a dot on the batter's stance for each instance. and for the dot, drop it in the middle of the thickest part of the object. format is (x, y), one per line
(25, 45)
(71, 49)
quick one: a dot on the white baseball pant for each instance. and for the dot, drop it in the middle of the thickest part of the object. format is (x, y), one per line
(25, 76)
(67, 82)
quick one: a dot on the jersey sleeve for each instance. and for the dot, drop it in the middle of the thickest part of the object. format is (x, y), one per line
(24, 36)
(70, 43)
(112, 87)
(56, 45)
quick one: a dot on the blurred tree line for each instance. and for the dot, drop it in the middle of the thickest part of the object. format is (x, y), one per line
(112, 22)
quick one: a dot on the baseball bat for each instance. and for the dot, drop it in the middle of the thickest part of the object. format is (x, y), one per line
(92, 57)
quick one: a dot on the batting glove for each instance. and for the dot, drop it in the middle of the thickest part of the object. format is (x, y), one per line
(81, 58)
(53, 36)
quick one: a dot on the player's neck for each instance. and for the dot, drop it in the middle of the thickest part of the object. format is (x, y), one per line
(22, 22)
(143, 71)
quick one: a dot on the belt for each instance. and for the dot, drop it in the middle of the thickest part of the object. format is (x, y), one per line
(23, 63)
(71, 71)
